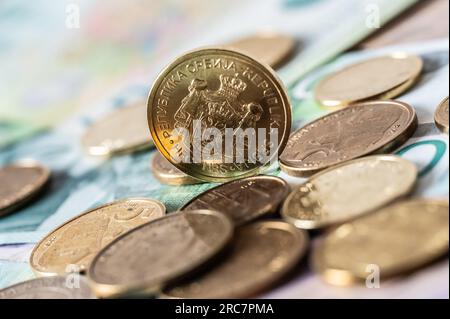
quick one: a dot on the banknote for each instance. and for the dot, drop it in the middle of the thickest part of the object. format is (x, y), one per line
(92, 57)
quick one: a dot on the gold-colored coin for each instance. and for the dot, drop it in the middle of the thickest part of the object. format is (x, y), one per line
(54, 287)
(168, 174)
(218, 90)
(349, 190)
(121, 131)
(261, 254)
(441, 116)
(349, 133)
(72, 246)
(268, 47)
(374, 79)
(20, 183)
(151, 255)
(245, 199)
(395, 240)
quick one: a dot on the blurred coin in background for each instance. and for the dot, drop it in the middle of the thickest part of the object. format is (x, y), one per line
(379, 78)
(124, 130)
(441, 116)
(149, 256)
(394, 240)
(20, 183)
(74, 244)
(261, 254)
(355, 131)
(243, 200)
(268, 47)
(168, 174)
(349, 190)
(53, 287)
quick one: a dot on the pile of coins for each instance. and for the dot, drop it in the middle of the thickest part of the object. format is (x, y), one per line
(244, 236)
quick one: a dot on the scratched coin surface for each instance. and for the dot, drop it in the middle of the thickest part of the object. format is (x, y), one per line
(168, 174)
(144, 259)
(212, 105)
(268, 47)
(54, 287)
(121, 131)
(72, 246)
(349, 190)
(441, 116)
(243, 200)
(379, 78)
(397, 239)
(20, 183)
(260, 255)
(355, 131)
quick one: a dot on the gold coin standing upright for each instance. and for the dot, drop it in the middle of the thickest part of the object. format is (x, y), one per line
(349, 133)
(217, 91)
(121, 131)
(261, 254)
(20, 183)
(441, 116)
(349, 190)
(395, 240)
(269, 47)
(168, 174)
(72, 246)
(153, 254)
(374, 79)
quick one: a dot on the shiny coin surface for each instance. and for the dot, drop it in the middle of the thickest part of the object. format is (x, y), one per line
(20, 183)
(144, 259)
(441, 116)
(72, 246)
(396, 239)
(268, 47)
(349, 190)
(168, 174)
(122, 131)
(54, 287)
(209, 109)
(261, 254)
(375, 79)
(243, 200)
(355, 131)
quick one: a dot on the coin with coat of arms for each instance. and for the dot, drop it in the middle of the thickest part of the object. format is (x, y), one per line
(218, 114)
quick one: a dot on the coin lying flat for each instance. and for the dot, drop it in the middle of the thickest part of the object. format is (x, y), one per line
(268, 47)
(220, 93)
(74, 244)
(378, 78)
(355, 131)
(168, 174)
(260, 255)
(349, 190)
(20, 183)
(441, 116)
(54, 287)
(396, 239)
(243, 200)
(157, 252)
(122, 131)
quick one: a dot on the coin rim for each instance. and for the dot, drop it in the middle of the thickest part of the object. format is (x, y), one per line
(348, 278)
(39, 185)
(286, 106)
(440, 123)
(389, 94)
(265, 211)
(175, 179)
(295, 257)
(115, 290)
(394, 142)
(319, 224)
(42, 273)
